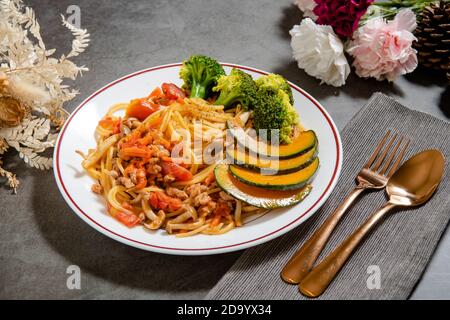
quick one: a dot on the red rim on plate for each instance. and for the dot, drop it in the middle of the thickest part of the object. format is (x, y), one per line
(236, 246)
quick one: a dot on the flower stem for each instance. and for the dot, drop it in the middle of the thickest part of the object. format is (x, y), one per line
(387, 10)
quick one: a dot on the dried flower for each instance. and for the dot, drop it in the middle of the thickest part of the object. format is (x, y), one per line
(22, 87)
(307, 7)
(383, 50)
(11, 179)
(3, 146)
(58, 118)
(319, 52)
(342, 15)
(12, 112)
(32, 79)
(3, 83)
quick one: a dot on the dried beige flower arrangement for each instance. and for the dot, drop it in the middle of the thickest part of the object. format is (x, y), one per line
(32, 92)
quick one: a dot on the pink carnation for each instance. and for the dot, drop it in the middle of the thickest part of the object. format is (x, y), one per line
(342, 15)
(383, 50)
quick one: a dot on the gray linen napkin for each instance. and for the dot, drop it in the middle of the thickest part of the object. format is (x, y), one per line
(400, 247)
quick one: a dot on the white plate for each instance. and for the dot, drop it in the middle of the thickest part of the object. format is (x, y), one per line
(75, 184)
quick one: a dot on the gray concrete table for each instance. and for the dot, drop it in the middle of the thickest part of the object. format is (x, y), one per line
(40, 236)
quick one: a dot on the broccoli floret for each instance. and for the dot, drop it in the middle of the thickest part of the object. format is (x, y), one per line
(274, 82)
(274, 111)
(237, 87)
(200, 74)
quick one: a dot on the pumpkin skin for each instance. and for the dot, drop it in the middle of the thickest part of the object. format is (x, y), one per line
(267, 165)
(255, 196)
(289, 181)
(300, 144)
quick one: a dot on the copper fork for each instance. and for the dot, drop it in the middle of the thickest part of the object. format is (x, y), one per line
(374, 175)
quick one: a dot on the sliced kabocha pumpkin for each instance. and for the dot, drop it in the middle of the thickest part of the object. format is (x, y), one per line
(300, 144)
(289, 181)
(251, 161)
(255, 196)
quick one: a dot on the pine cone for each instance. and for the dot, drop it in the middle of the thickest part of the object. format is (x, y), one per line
(433, 34)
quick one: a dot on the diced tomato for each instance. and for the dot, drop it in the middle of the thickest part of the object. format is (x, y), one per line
(166, 159)
(141, 108)
(176, 160)
(106, 123)
(140, 152)
(141, 179)
(109, 123)
(127, 206)
(130, 140)
(160, 200)
(172, 91)
(156, 93)
(177, 171)
(130, 220)
(154, 200)
(182, 164)
(222, 210)
(215, 221)
(145, 140)
(159, 97)
(130, 168)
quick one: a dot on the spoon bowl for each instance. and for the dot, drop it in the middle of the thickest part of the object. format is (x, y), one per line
(417, 179)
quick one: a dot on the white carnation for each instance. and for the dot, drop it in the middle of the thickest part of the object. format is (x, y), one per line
(319, 52)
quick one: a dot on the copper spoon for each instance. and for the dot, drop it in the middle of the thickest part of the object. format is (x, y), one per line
(412, 185)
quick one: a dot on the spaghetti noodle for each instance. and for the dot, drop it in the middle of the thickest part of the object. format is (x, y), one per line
(143, 184)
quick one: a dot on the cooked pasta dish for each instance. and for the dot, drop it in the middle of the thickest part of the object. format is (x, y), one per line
(144, 185)
(160, 162)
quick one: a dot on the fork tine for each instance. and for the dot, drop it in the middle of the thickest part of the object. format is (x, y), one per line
(378, 148)
(391, 156)
(384, 153)
(399, 159)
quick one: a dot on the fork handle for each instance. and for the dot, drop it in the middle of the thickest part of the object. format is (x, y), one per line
(316, 282)
(303, 260)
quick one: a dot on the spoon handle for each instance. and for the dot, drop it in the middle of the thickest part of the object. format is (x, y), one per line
(303, 260)
(316, 282)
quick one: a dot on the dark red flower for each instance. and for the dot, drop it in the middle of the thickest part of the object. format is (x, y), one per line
(342, 15)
